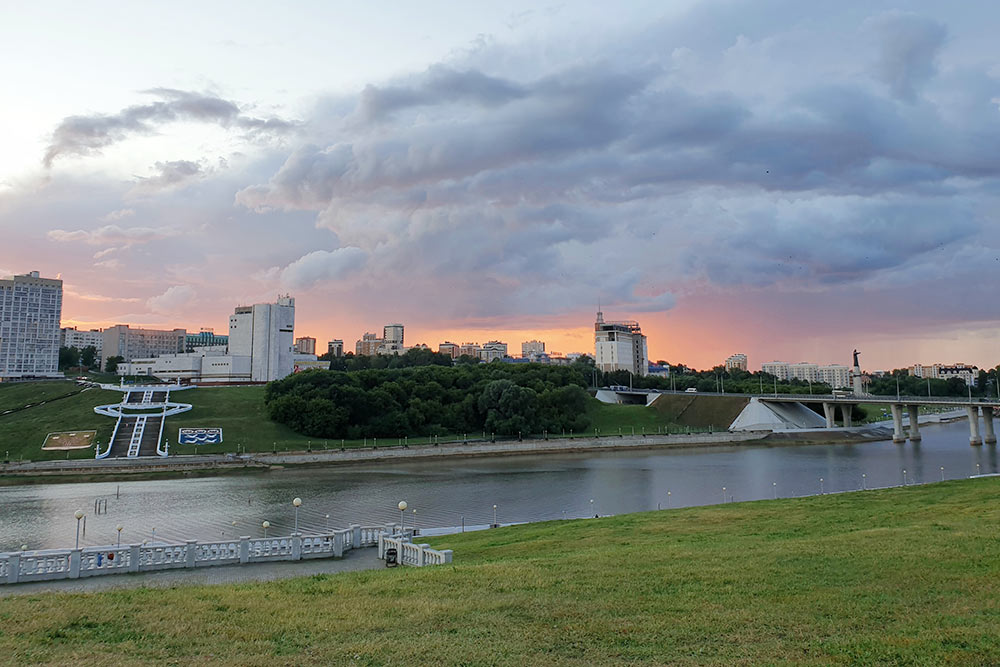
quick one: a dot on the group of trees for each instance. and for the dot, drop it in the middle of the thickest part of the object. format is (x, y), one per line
(432, 399)
(72, 357)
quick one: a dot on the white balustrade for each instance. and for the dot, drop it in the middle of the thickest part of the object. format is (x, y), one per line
(72, 563)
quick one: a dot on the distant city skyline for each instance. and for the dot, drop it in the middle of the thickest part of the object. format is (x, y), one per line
(825, 179)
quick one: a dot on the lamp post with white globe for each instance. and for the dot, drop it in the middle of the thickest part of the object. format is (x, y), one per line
(266, 525)
(402, 508)
(79, 515)
(298, 503)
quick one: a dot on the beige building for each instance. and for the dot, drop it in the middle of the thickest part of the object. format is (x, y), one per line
(620, 346)
(123, 341)
(305, 345)
(470, 349)
(736, 362)
(835, 375)
(73, 337)
(368, 345)
(335, 348)
(532, 348)
(450, 349)
(493, 350)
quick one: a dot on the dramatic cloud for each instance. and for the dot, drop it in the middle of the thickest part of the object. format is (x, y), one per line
(322, 266)
(169, 175)
(87, 135)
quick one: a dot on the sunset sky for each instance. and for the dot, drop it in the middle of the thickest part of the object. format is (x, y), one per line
(787, 179)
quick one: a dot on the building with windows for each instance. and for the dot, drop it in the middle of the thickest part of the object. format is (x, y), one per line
(335, 348)
(73, 337)
(492, 350)
(620, 346)
(392, 339)
(736, 362)
(450, 349)
(470, 350)
(206, 337)
(30, 315)
(968, 374)
(264, 332)
(532, 347)
(305, 345)
(836, 375)
(123, 341)
(368, 345)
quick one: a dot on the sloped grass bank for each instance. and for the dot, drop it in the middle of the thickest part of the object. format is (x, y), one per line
(901, 576)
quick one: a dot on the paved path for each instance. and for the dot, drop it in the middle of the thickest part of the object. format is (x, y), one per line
(354, 560)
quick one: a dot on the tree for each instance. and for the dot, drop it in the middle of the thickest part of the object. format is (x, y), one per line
(508, 408)
(112, 364)
(68, 357)
(88, 355)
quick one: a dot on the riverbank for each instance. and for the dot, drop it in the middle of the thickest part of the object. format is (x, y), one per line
(84, 470)
(905, 575)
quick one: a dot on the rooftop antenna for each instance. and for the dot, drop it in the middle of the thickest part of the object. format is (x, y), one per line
(600, 315)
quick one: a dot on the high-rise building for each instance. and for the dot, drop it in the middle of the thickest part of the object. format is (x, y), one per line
(392, 339)
(368, 345)
(620, 346)
(335, 348)
(532, 347)
(492, 350)
(123, 341)
(264, 332)
(450, 349)
(835, 375)
(73, 337)
(305, 345)
(736, 362)
(30, 314)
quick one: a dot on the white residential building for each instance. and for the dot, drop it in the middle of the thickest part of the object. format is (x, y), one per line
(73, 337)
(123, 341)
(532, 347)
(30, 315)
(835, 375)
(620, 346)
(264, 332)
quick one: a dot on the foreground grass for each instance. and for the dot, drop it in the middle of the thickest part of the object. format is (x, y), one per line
(903, 576)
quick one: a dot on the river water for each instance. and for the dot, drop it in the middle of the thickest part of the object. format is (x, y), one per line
(447, 492)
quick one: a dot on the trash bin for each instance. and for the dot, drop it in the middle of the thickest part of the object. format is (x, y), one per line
(391, 557)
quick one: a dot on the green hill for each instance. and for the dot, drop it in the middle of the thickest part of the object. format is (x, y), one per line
(902, 576)
(699, 411)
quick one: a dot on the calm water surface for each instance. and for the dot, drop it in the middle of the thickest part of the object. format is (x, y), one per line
(524, 488)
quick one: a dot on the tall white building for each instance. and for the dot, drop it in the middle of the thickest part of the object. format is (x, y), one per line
(494, 349)
(30, 315)
(73, 337)
(265, 332)
(392, 339)
(620, 346)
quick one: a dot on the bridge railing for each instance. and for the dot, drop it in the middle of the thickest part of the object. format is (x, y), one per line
(20, 566)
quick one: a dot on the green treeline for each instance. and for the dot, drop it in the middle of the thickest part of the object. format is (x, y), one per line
(497, 398)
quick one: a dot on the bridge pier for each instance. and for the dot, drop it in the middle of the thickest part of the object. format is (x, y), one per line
(914, 412)
(830, 412)
(845, 411)
(989, 435)
(897, 424)
(974, 438)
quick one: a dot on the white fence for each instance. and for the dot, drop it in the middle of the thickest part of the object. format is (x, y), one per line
(21, 566)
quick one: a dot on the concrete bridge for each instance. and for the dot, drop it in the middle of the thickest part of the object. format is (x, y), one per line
(846, 401)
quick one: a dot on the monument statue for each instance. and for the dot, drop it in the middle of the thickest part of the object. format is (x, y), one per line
(855, 358)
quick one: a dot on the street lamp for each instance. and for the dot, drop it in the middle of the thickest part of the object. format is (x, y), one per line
(495, 516)
(119, 529)
(328, 523)
(723, 494)
(864, 481)
(821, 490)
(592, 506)
(774, 487)
(402, 508)
(79, 515)
(942, 473)
(414, 522)
(668, 500)
(904, 476)
(266, 525)
(298, 503)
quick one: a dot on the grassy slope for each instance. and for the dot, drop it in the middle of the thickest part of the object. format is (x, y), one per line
(900, 576)
(699, 411)
(22, 433)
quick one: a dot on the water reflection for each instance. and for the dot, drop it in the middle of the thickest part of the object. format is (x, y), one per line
(449, 492)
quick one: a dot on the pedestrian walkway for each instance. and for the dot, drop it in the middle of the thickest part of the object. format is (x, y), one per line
(352, 561)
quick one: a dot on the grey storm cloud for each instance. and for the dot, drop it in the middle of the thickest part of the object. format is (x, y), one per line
(605, 163)
(88, 135)
(168, 175)
(908, 45)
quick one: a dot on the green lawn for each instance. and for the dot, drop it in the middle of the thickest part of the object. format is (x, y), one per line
(902, 576)
(22, 433)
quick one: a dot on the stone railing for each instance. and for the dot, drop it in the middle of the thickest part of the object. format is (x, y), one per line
(21, 566)
(407, 553)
